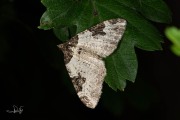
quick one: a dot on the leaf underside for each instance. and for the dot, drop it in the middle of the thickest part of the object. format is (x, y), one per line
(74, 16)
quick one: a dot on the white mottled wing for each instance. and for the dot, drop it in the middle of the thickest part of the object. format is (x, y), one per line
(83, 58)
(87, 73)
(103, 38)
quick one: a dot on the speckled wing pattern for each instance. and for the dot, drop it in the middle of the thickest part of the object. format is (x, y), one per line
(83, 56)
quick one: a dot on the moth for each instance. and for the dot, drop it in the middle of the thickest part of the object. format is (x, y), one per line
(84, 54)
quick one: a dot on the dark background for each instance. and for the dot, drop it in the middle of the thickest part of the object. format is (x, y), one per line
(32, 74)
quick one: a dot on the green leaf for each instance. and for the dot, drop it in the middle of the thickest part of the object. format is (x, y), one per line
(64, 33)
(155, 10)
(122, 64)
(175, 49)
(173, 34)
(140, 33)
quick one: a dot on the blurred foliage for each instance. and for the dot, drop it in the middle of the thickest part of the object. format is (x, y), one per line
(173, 34)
